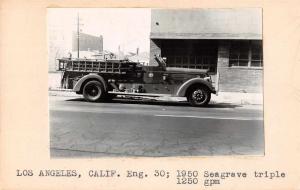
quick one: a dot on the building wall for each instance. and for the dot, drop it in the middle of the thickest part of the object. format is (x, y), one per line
(234, 79)
(87, 42)
(242, 23)
(155, 49)
(223, 25)
(231, 79)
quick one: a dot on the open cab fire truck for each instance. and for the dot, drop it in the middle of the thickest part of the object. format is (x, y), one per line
(100, 80)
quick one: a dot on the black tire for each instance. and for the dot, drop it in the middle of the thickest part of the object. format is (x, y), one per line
(93, 91)
(199, 96)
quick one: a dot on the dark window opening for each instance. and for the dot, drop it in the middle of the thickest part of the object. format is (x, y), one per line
(193, 54)
(246, 54)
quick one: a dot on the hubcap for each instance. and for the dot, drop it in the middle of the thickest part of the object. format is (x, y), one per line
(198, 95)
(93, 91)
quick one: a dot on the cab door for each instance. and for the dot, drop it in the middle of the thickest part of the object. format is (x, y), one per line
(154, 81)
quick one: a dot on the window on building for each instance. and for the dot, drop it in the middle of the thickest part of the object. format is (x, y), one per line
(246, 54)
(193, 54)
(192, 62)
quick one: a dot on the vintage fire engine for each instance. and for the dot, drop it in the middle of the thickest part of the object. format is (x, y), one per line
(100, 80)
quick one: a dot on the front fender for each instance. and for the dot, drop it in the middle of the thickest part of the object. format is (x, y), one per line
(181, 92)
(81, 81)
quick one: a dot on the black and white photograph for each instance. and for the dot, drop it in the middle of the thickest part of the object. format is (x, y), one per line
(141, 82)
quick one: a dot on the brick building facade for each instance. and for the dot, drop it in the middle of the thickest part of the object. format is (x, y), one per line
(227, 42)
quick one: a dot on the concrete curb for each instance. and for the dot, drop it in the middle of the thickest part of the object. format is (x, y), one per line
(239, 98)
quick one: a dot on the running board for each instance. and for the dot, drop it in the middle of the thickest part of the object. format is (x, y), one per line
(139, 94)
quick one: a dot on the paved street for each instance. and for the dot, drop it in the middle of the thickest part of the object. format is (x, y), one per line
(135, 128)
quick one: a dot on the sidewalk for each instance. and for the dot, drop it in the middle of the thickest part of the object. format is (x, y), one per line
(223, 97)
(239, 98)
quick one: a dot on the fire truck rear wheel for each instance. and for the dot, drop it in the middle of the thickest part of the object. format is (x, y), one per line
(199, 96)
(93, 91)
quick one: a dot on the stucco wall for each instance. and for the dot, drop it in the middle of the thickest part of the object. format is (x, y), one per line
(206, 23)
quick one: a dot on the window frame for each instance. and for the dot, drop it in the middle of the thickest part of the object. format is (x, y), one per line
(250, 45)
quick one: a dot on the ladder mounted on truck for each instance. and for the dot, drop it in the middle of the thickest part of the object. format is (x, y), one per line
(96, 66)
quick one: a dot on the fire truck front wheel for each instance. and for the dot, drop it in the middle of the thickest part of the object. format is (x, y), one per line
(93, 91)
(199, 96)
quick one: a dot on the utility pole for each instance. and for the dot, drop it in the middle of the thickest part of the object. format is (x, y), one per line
(78, 35)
